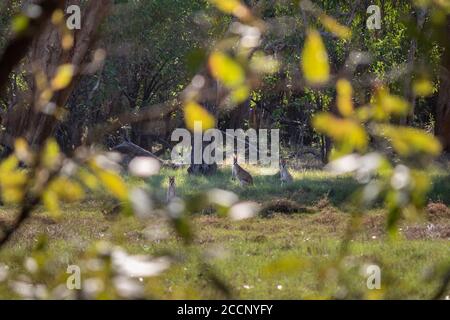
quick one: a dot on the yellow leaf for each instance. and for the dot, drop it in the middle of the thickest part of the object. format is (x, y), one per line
(423, 87)
(409, 141)
(51, 202)
(22, 150)
(335, 27)
(348, 133)
(12, 195)
(226, 69)
(193, 113)
(344, 97)
(114, 184)
(67, 41)
(13, 179)
(386, 105)
(9, 164)
(57, 17)
(63, 77)
(234, 7)
(51, 154)
(315, 66)
(88, 179)
(240, 94)
(67, 190)
(46, 96)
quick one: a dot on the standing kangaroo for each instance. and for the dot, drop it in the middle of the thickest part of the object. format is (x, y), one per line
(243, 176)
(285, 176)
(171, 189)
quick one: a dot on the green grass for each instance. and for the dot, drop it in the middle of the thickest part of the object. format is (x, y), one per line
(281, 257)
(308, 186)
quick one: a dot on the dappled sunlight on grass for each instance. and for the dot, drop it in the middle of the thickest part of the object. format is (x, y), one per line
(244, 252)
(309, 186)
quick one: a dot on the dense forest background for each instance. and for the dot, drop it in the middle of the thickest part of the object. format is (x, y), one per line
(155, 47)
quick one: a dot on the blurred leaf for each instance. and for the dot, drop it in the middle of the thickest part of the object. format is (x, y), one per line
(193, 113)
(240, 94)
(315, 66)
(20, 23)
(67, 41)
(12, 180)
(114, 184)
(421, 184)
(288, 265)
(348, 133)
(183, 228)
(244, 210)
(196, 203)
(12, 195)
(226, 69)
(51, 154)
(51, 202)
(22, 150)
(423, 87)
(394, 214)
(88, 179)
(58, 17)
(344, 97)
(386, 105)
(219, 283)
(67, 190)
(63, 77)
(9, 164)
(260, 63)
(234, 7)
(410, 141)
(195, 59)
(335, 27)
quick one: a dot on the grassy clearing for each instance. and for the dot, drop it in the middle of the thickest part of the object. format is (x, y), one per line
(281, 257)
(308, 188)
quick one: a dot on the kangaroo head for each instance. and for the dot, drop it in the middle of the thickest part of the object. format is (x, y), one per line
(235, 160)
(283, 163)
(171, 181)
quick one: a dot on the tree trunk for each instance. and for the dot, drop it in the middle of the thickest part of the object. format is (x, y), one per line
(421, 15)
(211, 104)
(46, 54)
(442, 129)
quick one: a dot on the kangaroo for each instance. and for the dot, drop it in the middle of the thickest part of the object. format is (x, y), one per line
(171, 189)
(243, 176)
(285, 176)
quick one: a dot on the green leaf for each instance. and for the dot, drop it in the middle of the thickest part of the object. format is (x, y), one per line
(20, 23)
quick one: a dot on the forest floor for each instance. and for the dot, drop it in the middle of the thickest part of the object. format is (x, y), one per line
(276, 256)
